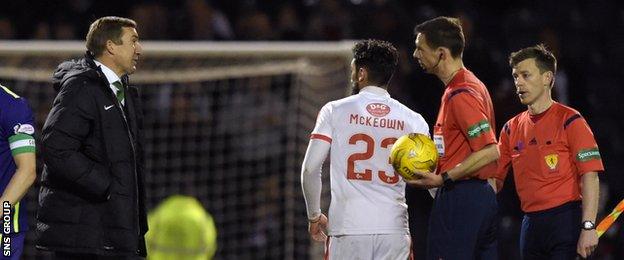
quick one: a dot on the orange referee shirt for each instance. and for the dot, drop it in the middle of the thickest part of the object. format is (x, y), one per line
(548, 156)
(465, 123)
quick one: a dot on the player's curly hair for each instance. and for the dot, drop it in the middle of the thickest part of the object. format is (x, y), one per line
(379, 58)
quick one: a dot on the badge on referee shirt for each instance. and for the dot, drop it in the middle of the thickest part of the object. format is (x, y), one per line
(439, 143)
(552, 160)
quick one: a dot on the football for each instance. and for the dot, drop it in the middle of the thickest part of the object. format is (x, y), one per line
(413, 152)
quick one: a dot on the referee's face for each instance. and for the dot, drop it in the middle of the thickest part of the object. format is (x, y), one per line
(127, 54)
(425, 55)
(531, 85)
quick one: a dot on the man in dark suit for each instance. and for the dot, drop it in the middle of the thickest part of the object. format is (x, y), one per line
(92, 198)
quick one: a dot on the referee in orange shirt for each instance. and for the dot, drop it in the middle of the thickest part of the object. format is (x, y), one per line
(555, 162)
(462, 224)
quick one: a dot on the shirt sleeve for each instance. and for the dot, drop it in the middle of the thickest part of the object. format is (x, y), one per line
(504, 161)
(323, 129)
(311, 182)
(421, 126)
(471, 118)
(583, 145)
(18, 120)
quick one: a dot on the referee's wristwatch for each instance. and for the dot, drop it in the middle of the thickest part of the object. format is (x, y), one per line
(588, 225)
(448, 182)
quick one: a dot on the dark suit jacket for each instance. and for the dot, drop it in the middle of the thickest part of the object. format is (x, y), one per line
(92, 197)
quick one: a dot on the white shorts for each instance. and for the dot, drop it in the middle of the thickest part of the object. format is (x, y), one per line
(369, 247)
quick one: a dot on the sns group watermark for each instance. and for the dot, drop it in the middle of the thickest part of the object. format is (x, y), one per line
(6, 228)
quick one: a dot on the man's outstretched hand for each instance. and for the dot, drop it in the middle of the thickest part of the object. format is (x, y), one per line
(426, 180)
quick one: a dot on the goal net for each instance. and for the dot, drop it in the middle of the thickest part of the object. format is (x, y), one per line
(227, 123)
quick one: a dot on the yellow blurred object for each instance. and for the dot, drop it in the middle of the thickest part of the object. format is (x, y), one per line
(181, 229)
(413, 152)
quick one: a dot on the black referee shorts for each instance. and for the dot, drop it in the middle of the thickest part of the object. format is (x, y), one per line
(463, 222)
(552, 233)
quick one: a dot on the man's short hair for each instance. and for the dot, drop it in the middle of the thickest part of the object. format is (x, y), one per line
(544, 59)
(104, 29)
(379, 58)
(443, 32)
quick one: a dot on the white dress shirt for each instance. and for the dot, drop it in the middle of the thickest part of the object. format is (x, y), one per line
(111, 76)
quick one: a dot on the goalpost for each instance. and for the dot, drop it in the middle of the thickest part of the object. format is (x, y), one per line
(225, 122)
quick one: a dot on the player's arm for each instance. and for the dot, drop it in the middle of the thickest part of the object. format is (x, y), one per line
(588, 163)
(311, 184)
(311, 176)
(474, 162)
(19, 119)
(504, 161)
(23, 178)
(590, 189)
(320, 143)
(68, 125)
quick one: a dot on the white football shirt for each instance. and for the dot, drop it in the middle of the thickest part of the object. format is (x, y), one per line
(367, 196)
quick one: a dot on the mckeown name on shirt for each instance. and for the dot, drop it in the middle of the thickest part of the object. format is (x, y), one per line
(376, 122)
